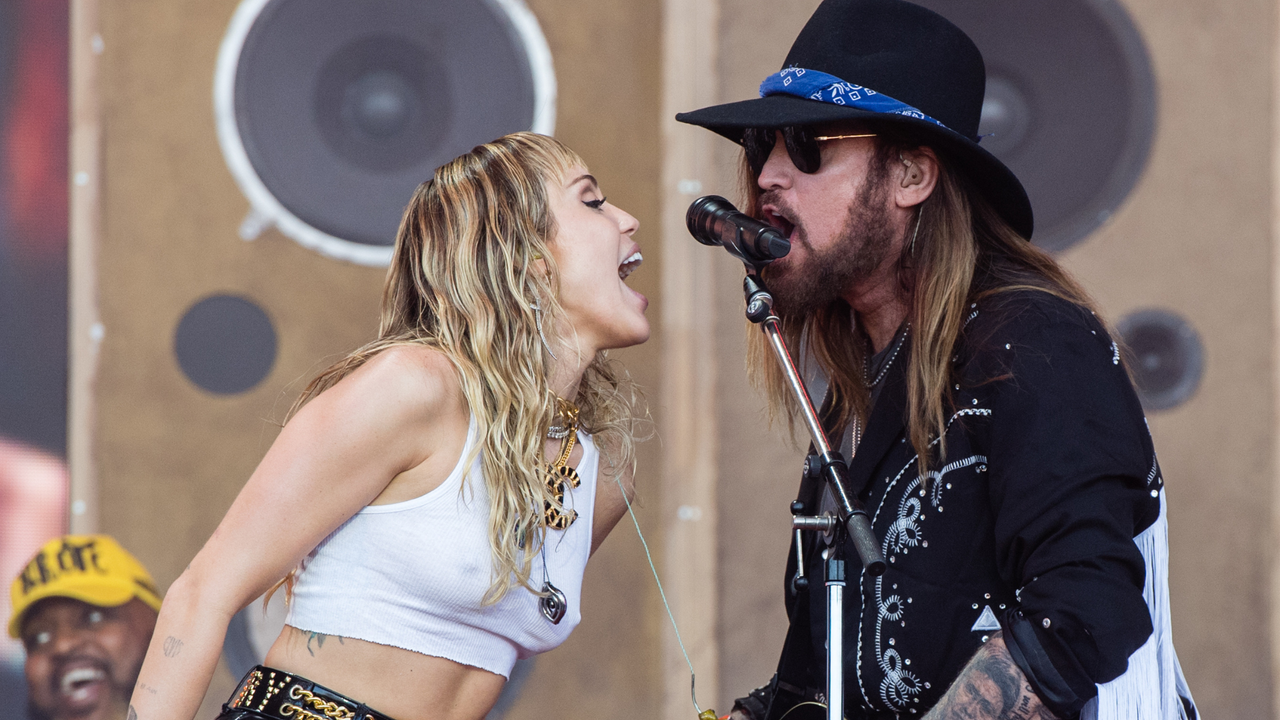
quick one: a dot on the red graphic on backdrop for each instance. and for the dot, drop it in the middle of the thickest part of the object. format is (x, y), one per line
(36, 133)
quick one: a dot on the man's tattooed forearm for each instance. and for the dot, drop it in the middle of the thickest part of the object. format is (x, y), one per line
(991, 687)
(1025, 709)
(319, 639)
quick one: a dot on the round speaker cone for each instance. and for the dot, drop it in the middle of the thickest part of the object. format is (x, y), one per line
(375, 108)
(1070, 104)
(331, 112)
(225, 344)
(1165, 356)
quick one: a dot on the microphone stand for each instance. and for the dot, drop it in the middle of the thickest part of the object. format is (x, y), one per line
(850, 519)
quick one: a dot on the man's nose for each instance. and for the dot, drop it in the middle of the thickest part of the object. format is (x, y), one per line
(67, 639)
(778, 169)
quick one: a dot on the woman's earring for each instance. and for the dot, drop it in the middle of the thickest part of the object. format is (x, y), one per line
(537, 318)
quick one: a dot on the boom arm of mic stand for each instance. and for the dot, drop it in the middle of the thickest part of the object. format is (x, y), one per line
(854, 516)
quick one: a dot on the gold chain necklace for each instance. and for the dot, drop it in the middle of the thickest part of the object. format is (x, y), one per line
(559, 477)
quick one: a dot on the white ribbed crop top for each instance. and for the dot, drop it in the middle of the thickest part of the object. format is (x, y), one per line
(412, 574)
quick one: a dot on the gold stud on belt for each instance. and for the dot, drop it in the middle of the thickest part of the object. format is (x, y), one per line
(250, 687)
(272, 688)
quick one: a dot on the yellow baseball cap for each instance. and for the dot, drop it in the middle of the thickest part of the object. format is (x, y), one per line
(90, 568)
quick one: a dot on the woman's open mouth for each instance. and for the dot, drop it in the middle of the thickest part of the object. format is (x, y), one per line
(629, 265)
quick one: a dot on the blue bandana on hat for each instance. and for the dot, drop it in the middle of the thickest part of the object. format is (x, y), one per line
(815, 85)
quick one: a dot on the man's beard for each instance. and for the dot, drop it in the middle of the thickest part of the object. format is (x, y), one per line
(803, 287)
(35, 712)
(117, 699)
(117, 703)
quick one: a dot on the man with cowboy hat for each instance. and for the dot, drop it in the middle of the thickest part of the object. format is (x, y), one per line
(995, 437)
(85, 610)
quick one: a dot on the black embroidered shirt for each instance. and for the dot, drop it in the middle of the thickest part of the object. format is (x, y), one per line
(1026, 524)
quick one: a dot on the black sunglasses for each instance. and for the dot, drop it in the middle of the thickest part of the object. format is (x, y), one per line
(801, 142)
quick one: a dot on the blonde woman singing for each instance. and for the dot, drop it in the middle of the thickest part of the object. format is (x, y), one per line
(434, 498)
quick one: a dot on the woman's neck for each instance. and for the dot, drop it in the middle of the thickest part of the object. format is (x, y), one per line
(566, 375)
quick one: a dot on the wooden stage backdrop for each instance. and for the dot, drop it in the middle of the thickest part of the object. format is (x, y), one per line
(156, 214)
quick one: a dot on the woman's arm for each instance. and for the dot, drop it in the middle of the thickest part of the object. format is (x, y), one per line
(334, 457)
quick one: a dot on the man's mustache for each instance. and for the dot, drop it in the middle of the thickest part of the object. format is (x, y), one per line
(60, 668)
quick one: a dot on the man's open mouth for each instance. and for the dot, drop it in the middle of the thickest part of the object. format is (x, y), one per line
(776, 219)
(81, 683)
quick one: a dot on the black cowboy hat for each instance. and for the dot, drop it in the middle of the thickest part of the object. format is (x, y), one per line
(903, 52)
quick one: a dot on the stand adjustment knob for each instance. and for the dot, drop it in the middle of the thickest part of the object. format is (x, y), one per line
(813, 465)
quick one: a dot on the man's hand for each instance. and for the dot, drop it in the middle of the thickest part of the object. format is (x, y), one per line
(991, 687)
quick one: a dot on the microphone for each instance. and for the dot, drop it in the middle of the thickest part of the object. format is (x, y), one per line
(712, 220)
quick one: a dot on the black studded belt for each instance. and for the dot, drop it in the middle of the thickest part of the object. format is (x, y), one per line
(269, 693)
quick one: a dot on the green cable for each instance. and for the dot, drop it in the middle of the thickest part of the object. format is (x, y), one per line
(693, 679)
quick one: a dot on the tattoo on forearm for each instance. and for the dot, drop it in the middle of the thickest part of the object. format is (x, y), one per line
(133, 714)
(146, 688)
(991, 687)
(172, 646)
(319, 639)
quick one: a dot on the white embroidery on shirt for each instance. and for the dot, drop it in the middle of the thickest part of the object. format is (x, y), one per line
(899, 685)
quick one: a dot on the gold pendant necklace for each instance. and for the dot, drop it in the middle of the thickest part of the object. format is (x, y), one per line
(559, 477)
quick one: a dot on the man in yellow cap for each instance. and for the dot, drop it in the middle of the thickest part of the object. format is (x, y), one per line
(84, 609)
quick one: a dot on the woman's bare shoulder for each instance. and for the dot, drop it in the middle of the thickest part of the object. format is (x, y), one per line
(411, 382)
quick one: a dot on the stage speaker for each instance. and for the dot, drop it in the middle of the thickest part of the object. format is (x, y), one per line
(319, 118)
(1164, 355)
(1144, 133)
(1070, 105)
(330, 113)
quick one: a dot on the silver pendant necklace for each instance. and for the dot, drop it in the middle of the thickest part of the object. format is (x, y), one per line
(553, 603)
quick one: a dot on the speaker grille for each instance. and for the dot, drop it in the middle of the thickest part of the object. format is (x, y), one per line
(225, 344)
(1070, 104)
(332, 112)
(1165, 356)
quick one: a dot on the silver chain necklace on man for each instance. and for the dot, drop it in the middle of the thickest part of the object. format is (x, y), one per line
(898, 342)
(855, 426)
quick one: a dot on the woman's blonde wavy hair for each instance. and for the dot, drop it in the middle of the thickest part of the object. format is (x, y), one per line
(463, 281)
(964, 252)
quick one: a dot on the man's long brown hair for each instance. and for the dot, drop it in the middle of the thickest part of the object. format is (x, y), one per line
(964, 252)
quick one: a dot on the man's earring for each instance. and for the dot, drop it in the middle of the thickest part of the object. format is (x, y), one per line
(919, 213)
(537, 318)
